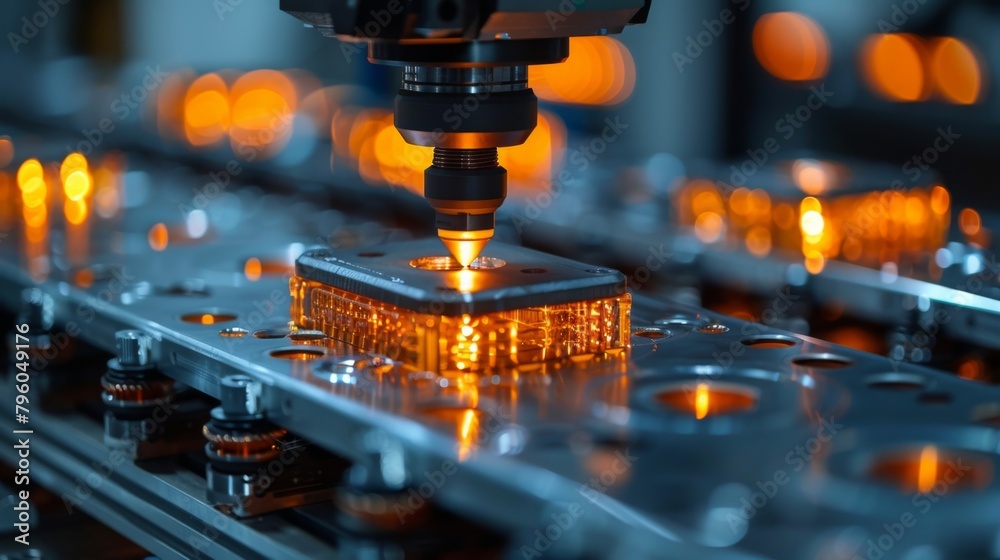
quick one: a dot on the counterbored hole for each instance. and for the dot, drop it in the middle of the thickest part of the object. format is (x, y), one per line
(930, 469)
(307, 336)
(769, 341)
(702, 399)
(233, 332)
(896, 382)
(822, 361)
(714, 328)
(650, 332)
(272, 333)
(297, 354)
(208, 317)
(450, 264)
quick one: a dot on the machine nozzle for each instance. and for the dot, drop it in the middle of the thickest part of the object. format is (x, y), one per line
(465, 246)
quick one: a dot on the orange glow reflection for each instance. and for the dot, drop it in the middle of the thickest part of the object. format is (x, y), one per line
(791, 46)
(599, 71)
(956, 71)
(893, 66)
(704, 399)
(532, 166)
(969, 221)
(927, 471)
(35, 215)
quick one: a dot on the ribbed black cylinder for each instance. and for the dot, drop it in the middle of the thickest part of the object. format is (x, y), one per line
(452, 158)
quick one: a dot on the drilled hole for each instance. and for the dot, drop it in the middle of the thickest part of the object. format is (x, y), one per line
(650, 332)
(208, 317)
(679, 321)
(702, 399)
(298, 354)
(534, 270)
(450, 264)
(929, 469)
(598, 271)
(272, 333)
(769, 341)
(896, 382)
(822, 361)
(233, 332)
(307, 336)
(715, 328)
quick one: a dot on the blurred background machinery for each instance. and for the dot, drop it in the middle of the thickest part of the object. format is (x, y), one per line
(799, 195)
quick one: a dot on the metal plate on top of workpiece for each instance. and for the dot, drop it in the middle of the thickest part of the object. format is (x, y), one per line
(528, 279)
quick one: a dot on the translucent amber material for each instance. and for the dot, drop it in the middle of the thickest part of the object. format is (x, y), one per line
(480, 343)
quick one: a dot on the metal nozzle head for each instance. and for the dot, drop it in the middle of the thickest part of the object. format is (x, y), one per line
(465, 246)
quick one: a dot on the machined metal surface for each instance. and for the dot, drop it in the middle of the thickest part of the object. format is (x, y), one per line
(595, 438)
(526, 278)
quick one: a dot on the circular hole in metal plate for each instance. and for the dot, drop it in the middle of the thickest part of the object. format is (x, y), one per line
(298, 354)
(189, 288)
(714, 328)
(896, 382)
(448, 263)
(931, 469)
(307, 336)
(208, 317)
(680, 320)
(702, 399)
(934, 398)
(233, 332)
(822, 361)
(534, 270)
(281, 332)
(769, 341)
(599, 270)
(650, 332)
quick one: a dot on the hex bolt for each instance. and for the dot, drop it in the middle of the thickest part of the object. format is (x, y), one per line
(133, 347)
(241, 395)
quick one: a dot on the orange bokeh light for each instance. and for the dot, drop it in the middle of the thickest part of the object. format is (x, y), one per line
(956, 71)
(791, 46)
(206, 110)
(599, 71)
(893, 66)
(159, 237)
(262, 105)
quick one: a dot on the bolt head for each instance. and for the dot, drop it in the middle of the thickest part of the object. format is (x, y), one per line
(133, 347)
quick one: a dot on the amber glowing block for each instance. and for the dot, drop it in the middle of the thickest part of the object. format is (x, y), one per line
(513, 307)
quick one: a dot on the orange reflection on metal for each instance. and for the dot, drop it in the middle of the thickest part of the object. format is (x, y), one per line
(870, 227)
(927, 471)
(791, 46)
(206, 110)
(893, 65)
(709, 399)
(35, 215)
(159, 237)
(956, 71)
(599, 71)
(207, 319)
